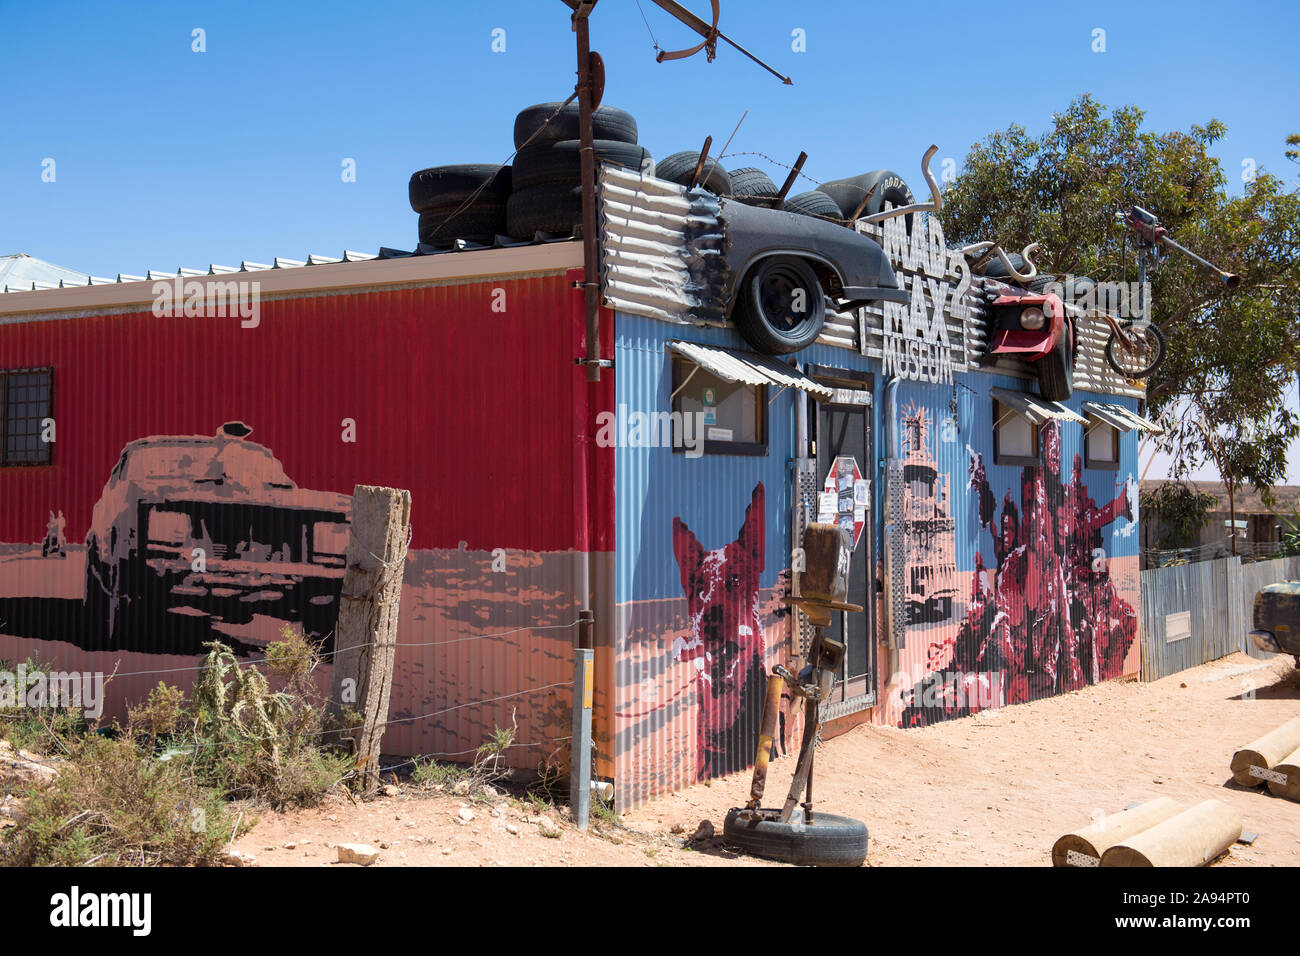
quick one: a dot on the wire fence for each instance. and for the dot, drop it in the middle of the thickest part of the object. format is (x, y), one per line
(324, 658)
(1248, 551)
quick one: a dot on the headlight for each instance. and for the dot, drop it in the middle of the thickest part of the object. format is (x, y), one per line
(1032, 319)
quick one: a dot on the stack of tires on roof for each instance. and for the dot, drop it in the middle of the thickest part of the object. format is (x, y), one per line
(540, 194)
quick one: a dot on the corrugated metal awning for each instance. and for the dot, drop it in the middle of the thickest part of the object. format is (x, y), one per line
(748, 367)
(1120, 417)
(1034, 407)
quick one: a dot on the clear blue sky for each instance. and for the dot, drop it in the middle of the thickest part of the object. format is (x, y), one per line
(165, 157)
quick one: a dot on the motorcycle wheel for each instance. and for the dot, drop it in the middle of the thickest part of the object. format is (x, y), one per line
(1141, 360)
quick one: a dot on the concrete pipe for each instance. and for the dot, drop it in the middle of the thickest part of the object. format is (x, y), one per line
(1192, 838)
(1084, 847)
(1264, 753)
(1284, 780)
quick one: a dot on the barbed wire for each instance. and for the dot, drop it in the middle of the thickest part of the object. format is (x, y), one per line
(775, 162)
(356, 647)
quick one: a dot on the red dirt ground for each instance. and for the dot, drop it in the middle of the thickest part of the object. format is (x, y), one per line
(996, 789)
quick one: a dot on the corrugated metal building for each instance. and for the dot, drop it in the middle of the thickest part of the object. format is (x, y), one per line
(995, 553)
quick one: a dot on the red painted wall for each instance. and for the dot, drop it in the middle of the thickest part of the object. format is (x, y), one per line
(476, 411)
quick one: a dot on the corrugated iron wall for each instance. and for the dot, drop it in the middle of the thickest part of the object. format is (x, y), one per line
(1194, 613)
(672, 513)
(465, 393)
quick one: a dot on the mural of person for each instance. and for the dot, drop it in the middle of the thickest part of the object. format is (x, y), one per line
(1049, 618)
(56, 538)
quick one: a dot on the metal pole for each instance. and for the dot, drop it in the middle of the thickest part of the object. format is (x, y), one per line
(587, 153)
(580, 765)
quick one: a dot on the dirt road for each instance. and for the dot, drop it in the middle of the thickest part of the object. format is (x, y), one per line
(991, 790)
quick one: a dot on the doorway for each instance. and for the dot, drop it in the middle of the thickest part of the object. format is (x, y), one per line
(841, 429)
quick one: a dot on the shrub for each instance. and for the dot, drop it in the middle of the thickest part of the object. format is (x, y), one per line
(110, 806)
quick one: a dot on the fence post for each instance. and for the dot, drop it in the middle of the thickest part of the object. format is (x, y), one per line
(366, 636)
(580, 762)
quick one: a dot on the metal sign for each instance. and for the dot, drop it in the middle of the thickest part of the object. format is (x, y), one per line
(844, 497)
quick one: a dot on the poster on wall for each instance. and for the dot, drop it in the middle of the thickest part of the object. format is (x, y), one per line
(844, 496)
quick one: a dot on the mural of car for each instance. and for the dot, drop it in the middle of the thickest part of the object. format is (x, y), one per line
(199, 525)
(1277, 619)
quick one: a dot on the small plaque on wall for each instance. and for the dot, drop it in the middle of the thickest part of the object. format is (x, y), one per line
(1178, 626)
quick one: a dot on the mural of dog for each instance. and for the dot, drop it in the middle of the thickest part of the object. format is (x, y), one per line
(726, 640)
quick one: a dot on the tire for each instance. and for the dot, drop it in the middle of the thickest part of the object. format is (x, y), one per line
(1056, 371)
(441, 186)
(814, 203)
(680, 167)
(561, 162)
(1132, 367)
(890, 189)
(752, 186)
(607, 122)
(480, 223)
(555, 208)
(828, 841)
(765, 312)
(1040, 282)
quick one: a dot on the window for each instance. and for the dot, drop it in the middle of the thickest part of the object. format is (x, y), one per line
(26, 400)
(1101, 447)
(731, 414)
(1015, 438)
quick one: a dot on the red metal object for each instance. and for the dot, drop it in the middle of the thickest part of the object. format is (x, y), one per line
(1010, 339)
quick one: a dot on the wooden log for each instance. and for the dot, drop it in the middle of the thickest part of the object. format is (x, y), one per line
(1263, 753)
(366, 635)
(1084, 847)
(1192, 838)
(1285, 779)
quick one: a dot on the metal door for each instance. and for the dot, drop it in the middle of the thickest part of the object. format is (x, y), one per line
(843, 429)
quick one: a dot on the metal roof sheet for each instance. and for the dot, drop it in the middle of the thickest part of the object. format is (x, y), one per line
(748, 367)
(1120, 417)
(1034, 407)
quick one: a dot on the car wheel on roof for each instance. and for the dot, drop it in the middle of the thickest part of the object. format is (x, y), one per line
(479, 222)
(813, 203)
(554, 208)
(1056, 369)
(439, 187)
(890, 189)
(752, 186)
(780, 306)
(549, 123)
(561, 161)
(680, 167)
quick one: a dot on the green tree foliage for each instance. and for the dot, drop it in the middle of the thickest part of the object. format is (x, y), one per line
(1181, 510)
(1233, 356)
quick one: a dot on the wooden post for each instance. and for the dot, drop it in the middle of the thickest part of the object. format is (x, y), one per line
(366, 635)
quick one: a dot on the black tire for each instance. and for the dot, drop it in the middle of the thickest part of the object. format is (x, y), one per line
(554, 208)
(767, 312)
(1077, 288)
(561, 162)
(1056, 370)
(680, 167)
(440, 186)
(480, 222)
(890, 189)
(607, 122)
(814, 203)
(994, 268)
(1126, 363)
(752, 186)
(829, 840)
(1040, 282)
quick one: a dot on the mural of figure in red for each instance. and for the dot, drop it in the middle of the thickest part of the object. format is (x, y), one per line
(726, 640)
(1048, 618)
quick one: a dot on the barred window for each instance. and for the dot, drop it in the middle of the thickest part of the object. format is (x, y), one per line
(26, 399)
